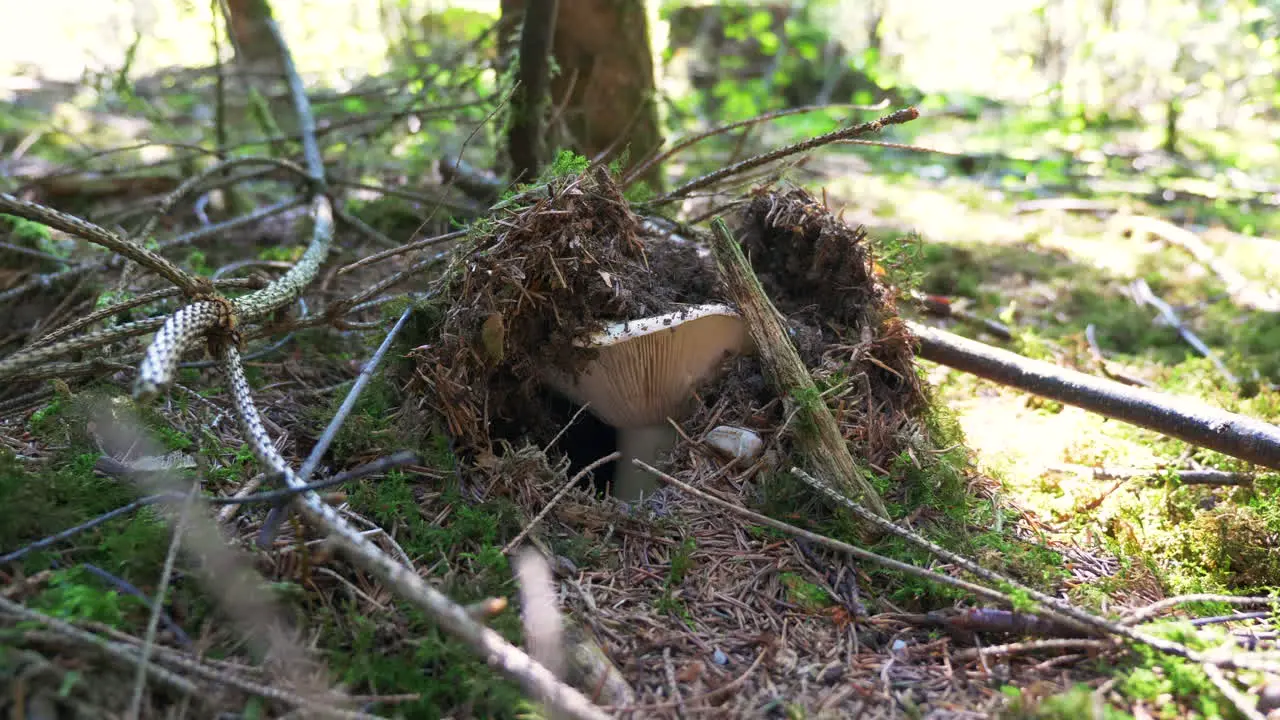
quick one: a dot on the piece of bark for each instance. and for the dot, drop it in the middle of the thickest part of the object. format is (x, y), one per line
(1186, 419)
(818, 435)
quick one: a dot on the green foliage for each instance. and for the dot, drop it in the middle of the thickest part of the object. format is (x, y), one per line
(568, 163)
(1076, 702)
(681, 564)
(810, 597)
(407, 652)
(77, 596)
(419, 658)
(368, 426)
(26, 232)
(199, 264)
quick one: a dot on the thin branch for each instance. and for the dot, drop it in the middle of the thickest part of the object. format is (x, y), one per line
(1238, 286)
(1155, 608)
(1185, 419)
(115, 650)
(1185, 477)
(157, 604)
(115, 468)
(683, 143)
(896, 118)
(331, 430)
(401, 249)
(571, 484)
(1050, 605)
(1245, 706)
(85, 230)
(1030, 646)
(838, 546)
(1144, 295)
(123, 305)
(190, 184)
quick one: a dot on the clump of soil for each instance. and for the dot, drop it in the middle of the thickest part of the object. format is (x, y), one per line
(531, 282)
(821, 273)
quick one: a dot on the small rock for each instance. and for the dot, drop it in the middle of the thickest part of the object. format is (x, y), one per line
(735, 442)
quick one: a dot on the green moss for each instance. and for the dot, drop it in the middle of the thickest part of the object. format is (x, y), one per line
(810, 597)
(568, 163)
(414, 656)
(403, 651)
(76, 595)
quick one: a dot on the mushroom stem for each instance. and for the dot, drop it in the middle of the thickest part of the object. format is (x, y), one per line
(647, 444)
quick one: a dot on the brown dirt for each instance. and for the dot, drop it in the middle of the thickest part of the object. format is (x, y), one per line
(822, 274)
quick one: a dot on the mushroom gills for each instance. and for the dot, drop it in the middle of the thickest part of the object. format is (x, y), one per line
(646, 443)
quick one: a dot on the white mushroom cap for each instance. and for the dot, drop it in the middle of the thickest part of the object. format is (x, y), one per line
(646, 370)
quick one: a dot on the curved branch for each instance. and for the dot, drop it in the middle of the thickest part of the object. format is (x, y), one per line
(505, 657)
(189, 283)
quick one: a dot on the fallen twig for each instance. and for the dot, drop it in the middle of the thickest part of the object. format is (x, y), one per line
(1241, 290)
(115, 650)
(944, 307)
(1155, 608)
(508, 659)
(1236, 435)
(1185, 477)
(107, 239)
(312, 462)
(1048, 604)
(1143, 295)
(571, 484)
(1030, 646)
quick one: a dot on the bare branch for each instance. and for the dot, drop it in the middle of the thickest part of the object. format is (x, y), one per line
(896, 118)
(1188, 420)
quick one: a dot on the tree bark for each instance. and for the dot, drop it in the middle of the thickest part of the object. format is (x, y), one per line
(526, 134)
(605, 81)
(247, 28)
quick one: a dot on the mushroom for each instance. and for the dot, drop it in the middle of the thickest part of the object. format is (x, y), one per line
(646, 371)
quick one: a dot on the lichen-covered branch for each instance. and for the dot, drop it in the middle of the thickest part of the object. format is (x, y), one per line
(188, 326)
(83, 229)
(505, 657)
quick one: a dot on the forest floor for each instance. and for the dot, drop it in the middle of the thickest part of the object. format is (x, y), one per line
(703, 613)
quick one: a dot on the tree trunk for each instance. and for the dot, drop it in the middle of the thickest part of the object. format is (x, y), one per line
(605, 81)
(246, 25)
